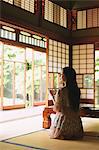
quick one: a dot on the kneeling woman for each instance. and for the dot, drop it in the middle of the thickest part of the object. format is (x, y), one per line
(67, 123)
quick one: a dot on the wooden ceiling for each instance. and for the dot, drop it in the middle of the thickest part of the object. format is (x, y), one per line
(77, 4)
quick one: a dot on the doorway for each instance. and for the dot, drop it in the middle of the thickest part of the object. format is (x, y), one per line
(97, 78)
(22, 77)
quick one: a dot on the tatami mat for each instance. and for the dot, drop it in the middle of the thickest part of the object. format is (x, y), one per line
(41, 140)
(8, 146)
(26, 139)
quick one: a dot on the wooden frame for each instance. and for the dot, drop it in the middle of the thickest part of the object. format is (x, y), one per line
(19, 105)
(25, 6)
(58, 14)
(92, 16)
(83, 63)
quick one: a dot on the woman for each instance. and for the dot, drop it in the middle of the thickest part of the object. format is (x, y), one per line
(67, 122)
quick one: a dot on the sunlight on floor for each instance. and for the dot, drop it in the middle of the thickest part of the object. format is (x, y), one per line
(18, 122)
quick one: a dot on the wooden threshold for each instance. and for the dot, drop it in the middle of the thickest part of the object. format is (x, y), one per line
(13, 107)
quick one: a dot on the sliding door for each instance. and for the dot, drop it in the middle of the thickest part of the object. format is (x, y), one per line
(22, 77)
(13, 75)
(97, 78)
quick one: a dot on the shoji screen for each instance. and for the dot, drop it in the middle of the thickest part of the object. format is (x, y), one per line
(83, 63)
(58, 56)
(24, 4)
(54, 13)
(88, 18)
(92, 17)
(81, 19)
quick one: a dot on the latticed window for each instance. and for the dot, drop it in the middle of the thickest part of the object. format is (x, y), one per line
(56, 14)
(93, 18)
(24, 4)
(88, 18)
(81, 19)
(22, 76)
(83, 63)
(9, 1)
(24, 37)
(58, 56)
(36, 40)
(7, 33)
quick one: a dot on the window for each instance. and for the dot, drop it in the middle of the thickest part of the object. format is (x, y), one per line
(88, 81)
(53, 84)
(55, 14)
(97, 77)
(13, 75)
(1, 74)
(88, 18)
(58, 56)
(24, 4)
(24, 37)
(9, 1)
(22, 76)
(39, 76)
(83, 63)
(92, 18)
(28, 5)
(7, 33)
(81, 19)
(36, 40)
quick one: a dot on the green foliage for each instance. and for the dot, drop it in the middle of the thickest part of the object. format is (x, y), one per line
(7, 74)
(7, 79)
(55, 80)
(11, 56)
(97, 65)
(88, 81)
(28, 66)
(97, 82)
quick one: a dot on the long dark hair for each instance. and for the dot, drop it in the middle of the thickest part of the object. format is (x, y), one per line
(71, 84)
